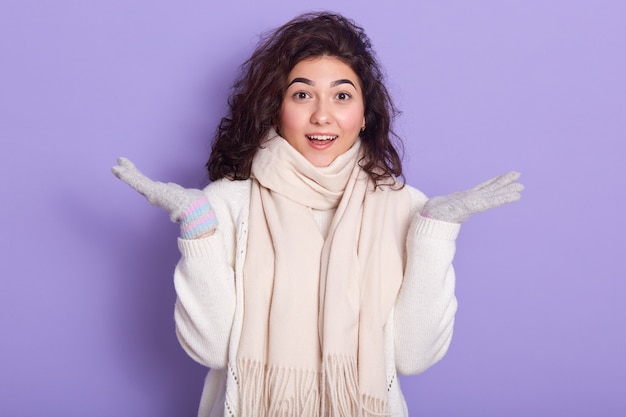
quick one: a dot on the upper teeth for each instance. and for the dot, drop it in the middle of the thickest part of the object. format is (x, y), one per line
(322, 137)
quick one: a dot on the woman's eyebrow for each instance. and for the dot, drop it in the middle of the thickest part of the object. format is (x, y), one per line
(312, 83)
(342, 81)
(301, 80)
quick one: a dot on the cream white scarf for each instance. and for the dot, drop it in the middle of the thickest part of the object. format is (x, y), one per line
(314, 309)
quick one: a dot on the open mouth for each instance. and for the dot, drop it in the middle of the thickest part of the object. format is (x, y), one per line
(321, 139)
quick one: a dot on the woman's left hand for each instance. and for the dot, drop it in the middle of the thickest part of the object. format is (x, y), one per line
(458, 207)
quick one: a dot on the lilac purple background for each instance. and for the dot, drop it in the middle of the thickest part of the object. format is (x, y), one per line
(484, 86)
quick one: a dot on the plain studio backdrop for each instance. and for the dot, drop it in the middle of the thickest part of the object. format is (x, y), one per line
(484, 87)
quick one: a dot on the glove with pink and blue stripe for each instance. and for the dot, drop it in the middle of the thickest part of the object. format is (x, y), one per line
(189, 207)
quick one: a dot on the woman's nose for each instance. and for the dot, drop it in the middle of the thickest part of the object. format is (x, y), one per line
(321, 114)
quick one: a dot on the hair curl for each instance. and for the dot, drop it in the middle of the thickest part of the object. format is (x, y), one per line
(257, 95)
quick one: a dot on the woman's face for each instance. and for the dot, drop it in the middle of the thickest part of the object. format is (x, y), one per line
(323, 110)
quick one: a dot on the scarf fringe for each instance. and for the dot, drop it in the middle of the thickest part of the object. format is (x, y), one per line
(340, 388)
(287, 392)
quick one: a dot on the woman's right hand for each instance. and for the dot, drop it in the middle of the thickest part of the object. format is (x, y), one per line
(190, 207)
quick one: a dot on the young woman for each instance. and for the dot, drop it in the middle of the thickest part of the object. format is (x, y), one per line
(309, 273)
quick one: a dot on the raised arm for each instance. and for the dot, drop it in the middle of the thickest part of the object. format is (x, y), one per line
(205, 304)
(426, 304)
(204, 276)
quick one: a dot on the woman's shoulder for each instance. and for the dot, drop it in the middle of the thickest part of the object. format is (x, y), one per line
(229, 192)
(418, 198)
(228, 185)
(415, 193)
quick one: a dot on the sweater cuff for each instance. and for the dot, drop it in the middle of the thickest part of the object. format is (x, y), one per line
(201, 247)
(434, 228)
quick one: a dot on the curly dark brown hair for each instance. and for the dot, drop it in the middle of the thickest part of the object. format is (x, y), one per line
(257, 95)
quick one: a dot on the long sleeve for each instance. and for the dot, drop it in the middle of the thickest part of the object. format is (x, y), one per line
(204, 280)
(426, 304)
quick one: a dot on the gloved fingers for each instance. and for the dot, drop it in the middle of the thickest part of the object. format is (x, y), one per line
(127, 169)
(493, 192)
(128, 172)
(514, 187)
(509, 197)
(496, 200)
(124, 168)
(125, 162)
(485, 184)
(498, 181)
(504, 181)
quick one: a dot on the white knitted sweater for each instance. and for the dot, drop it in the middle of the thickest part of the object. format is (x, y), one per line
(209, 308)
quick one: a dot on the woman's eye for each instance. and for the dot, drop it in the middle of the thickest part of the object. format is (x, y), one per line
(301, 95)
(343, 96)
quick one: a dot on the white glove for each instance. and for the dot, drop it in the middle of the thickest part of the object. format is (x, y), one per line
(190, 207)
(458, 207)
